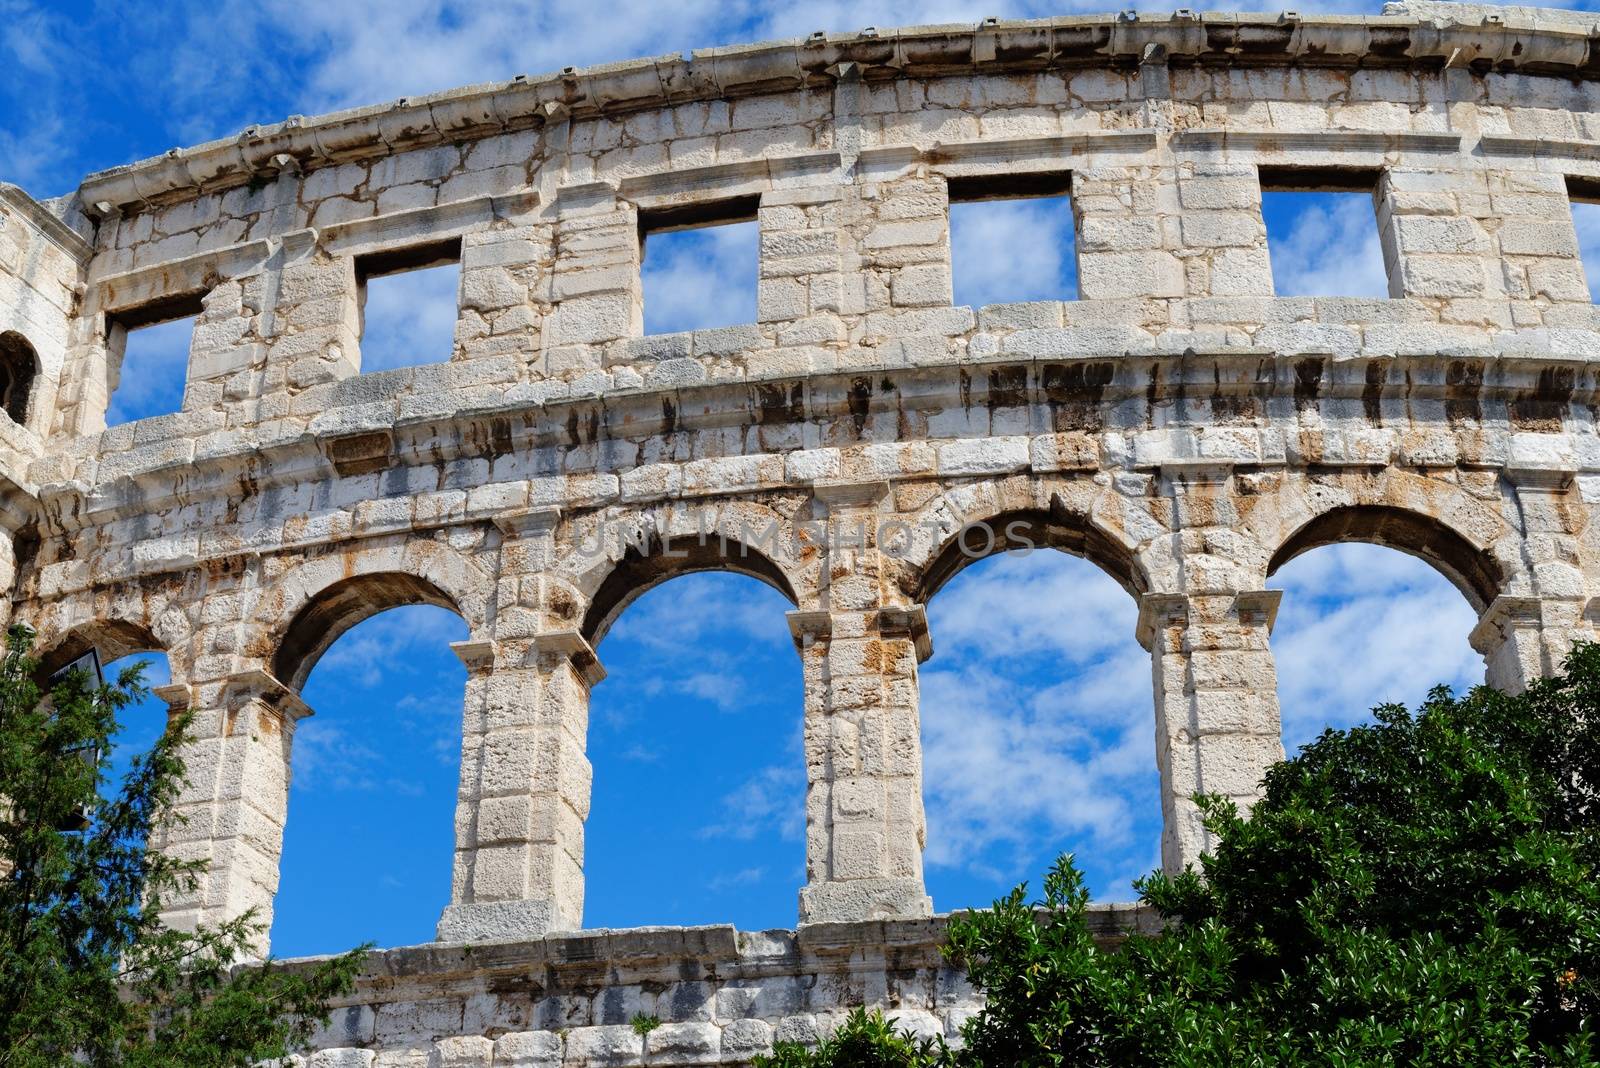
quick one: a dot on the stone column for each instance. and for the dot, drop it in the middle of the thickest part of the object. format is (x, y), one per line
(233, 807)
(864, 818)
(524, 776)
(1217, 722)
(1216, 691)
(1526, 637)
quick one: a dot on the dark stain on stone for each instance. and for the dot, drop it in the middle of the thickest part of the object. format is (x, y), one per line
(777, 403)
(1543, 408)
(1372, 392)
(1008, 387)
(1463, 386)
(860, 401)
(1307, 382)
(1074, 392)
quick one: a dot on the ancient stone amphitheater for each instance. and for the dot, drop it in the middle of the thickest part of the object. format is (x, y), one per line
(1179, 425)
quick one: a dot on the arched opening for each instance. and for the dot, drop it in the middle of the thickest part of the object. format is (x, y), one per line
(697, 811)
(1037, 714)
(328, 615)
(644, 566)
(370, 835)
(1473, 571)
(113, 646)
(19, 366)
(1377, 605)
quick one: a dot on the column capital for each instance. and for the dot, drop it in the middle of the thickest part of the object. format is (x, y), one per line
(813, 623)
(1159, 611)
(574, 647)
(476, 655)
(1504, 613)
(175, 694)
(1259, 607)
(909, 622)
(260, 685)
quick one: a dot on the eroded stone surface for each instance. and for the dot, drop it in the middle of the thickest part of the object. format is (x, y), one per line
(1181, 425)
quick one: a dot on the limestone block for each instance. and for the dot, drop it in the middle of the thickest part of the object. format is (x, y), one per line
(527, 1049)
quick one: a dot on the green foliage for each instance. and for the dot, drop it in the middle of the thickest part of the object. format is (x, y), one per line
(1421, 891)
(642, 1025)
(864, 1040)
(88, 975)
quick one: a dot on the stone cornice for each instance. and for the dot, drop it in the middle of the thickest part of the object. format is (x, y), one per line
(184, 471)
(60, 234)
(993, 46)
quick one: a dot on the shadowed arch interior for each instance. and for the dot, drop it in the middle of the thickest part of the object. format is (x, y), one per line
(1024, 530)
(113, 639)
(644, 567)
(1473, 571)
(19, 364)
(341, 606)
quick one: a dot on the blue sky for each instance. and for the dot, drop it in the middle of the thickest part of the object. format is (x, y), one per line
(1037, 708)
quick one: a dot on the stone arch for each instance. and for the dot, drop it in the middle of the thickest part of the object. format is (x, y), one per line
(1473, 569)
(69, 628)
(19, 367)
(644, 567)
(1017, 518)
(313, 605)
(615, 558)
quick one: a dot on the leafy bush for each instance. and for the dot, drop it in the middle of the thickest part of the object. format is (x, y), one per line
(1421, 891)
(88, 974)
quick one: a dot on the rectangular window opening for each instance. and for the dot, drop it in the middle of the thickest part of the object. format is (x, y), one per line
(1012, 239)
(409, 301)
(1322, 232)
(1584, 196)
(699, 265)
(148, 347)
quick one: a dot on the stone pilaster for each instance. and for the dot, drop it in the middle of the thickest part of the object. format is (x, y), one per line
(865, 829)
(1217, 721)
(1218, 727)
(596, 295)
(524, 775)
(1525, 637)
(232, 809)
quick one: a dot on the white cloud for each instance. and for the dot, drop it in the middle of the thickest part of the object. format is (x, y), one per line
(1003, 251)
(681, 614)
(771, 801)
(1586, 218)
(410, 318)
(1325, 244)
(1037, 721)
(1361, 625)
(155, 364)
(368, 653)
(697, 279)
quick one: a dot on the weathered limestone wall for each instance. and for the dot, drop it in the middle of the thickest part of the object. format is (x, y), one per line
(1179, 423)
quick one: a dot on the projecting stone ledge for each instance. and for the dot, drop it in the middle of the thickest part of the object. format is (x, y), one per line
(722, 995)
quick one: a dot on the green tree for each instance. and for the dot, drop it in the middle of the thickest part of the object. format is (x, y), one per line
(1421, 891)
(88, 974)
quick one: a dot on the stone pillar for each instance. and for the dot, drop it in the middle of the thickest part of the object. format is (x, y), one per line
(864, 818)
(1216, 690)
(595, 292)
(233, 807)
(1217, 722)
(1124, 251)
(1526, 637)
(524, 776)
